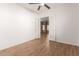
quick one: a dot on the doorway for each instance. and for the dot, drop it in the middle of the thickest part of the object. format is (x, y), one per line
(44, 24)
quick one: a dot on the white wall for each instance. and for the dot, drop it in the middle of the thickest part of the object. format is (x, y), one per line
(77, 41)
(17, 25)
(66, 23)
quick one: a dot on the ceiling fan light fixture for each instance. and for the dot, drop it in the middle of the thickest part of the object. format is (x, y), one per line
(42, 4)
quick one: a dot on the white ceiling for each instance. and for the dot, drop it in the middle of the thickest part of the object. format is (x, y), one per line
(34, 7)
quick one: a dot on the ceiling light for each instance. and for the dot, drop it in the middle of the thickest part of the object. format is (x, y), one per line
(42, 4)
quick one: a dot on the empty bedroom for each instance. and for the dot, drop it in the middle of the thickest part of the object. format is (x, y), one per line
(39, 29)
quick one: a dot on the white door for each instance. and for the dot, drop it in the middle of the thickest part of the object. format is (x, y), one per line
(51, 35)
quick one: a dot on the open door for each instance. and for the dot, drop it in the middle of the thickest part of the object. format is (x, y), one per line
(44, 24)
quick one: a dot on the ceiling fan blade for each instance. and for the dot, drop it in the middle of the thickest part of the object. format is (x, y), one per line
(46, 6)
(39, 8)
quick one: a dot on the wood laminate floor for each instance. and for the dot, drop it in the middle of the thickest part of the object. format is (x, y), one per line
(41, 47)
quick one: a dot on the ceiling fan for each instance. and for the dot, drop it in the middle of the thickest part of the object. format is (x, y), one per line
(40, 5)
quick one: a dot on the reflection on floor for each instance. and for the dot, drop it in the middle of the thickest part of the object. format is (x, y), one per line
(41, 47)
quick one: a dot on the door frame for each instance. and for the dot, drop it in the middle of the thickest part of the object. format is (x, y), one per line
(52, 20)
